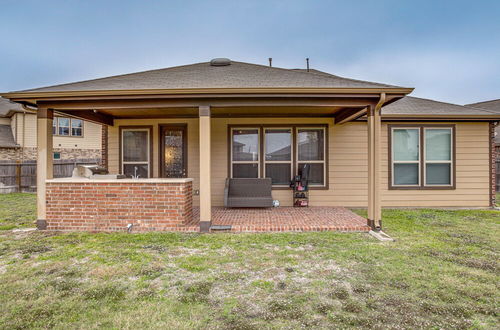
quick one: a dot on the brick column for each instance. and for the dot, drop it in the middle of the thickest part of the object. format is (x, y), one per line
(493, 157)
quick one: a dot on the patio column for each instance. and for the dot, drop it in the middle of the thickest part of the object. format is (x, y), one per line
(205, 169)
(374, 128)
(44, 163)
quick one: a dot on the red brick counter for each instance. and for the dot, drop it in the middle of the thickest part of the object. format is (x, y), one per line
(111, 205)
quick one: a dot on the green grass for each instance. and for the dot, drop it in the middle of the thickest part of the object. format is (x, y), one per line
(442, 272)
(17, 210)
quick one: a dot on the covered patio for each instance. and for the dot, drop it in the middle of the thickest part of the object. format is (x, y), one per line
(282, 219)
(207, 111)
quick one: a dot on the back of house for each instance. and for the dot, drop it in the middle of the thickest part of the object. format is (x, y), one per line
(366, 144)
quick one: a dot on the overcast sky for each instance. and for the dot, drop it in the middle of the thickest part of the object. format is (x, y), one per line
(447, 50)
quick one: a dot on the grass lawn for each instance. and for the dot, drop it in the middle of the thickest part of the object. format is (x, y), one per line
(442, 272)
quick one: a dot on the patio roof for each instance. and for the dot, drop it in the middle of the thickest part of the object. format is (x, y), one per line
(206, 76)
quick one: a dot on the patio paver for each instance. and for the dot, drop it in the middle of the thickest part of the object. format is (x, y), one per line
(284, 219)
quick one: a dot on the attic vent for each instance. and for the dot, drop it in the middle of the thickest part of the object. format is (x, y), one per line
(220, 62)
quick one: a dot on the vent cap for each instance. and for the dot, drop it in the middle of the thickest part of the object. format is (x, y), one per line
(221, 61)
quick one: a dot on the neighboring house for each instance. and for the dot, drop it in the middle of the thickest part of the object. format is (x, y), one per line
(367, 144)
(73, 138)
(493, 106)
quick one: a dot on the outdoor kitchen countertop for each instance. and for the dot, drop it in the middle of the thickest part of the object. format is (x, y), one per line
(140, 180)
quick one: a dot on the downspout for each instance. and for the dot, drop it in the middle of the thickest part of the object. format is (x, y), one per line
(30, 110)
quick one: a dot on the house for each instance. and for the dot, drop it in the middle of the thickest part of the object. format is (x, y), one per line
(493, 106)
(184, 130)
(73, 138)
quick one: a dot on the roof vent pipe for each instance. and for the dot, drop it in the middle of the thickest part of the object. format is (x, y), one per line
(270, 62)
(307, 62)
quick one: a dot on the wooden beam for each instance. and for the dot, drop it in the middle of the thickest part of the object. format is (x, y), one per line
(90, 115)
(348, 115)
(195, 103)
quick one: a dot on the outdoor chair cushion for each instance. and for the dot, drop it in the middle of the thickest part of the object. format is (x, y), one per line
(243, 192)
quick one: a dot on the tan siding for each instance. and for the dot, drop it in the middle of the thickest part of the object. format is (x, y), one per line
(91, 135)
(193, 142)
(347, 163)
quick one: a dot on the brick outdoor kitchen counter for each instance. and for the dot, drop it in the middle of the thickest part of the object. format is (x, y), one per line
(80, 204)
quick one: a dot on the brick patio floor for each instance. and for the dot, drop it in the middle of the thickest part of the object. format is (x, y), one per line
(284, 219)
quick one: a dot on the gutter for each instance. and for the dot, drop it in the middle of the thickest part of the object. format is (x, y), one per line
(138, 92)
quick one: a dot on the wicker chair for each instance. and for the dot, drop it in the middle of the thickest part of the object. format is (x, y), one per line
(248, 193)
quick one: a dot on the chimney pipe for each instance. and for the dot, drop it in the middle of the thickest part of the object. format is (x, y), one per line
(270, 62)
(307, 61)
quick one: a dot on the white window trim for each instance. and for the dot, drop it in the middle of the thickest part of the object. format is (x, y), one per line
(245, 161)
(418, 162)
(425, 161)
(147, 153)
(279, 161)
(297, 161)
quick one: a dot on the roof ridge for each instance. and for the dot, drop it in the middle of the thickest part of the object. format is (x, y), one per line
(318, 74)
(114, 76)
(482, 102)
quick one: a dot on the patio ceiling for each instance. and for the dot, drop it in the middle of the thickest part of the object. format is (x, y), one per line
(343, 107)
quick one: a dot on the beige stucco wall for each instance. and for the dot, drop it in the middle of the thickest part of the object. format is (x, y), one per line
(25, 134)
(347, 163)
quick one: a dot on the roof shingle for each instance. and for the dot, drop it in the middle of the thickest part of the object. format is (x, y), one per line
(410, 105)
(7, 107)
(203, 75)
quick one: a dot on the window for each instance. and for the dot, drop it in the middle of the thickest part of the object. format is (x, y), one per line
(277, 152)
(67, 127)
(63, 124)
(135, 152)
(438, 156)
(245, 153)
(311, 150)
(278, 155)
(76, 127)
(406, 156)
(422, 157)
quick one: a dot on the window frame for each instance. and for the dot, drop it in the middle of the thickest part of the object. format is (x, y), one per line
(149, 129)
(325, 156)
(451, 161)
(294, 128)
(259, 150)
(422, 157)
(55, 121)
(418, 161)
(291, 161)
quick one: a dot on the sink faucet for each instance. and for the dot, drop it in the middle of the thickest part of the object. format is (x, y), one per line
(135, 176)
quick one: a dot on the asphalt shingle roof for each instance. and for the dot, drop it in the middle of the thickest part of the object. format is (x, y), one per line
(493, 105)
(7, 107)
(410, 105)
(203, 75)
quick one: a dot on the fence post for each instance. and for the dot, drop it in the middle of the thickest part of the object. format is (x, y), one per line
(18, 176)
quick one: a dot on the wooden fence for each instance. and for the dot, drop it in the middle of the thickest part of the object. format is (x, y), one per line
(23, 175)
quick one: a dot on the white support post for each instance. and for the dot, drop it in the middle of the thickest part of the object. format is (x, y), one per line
(205, 169)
